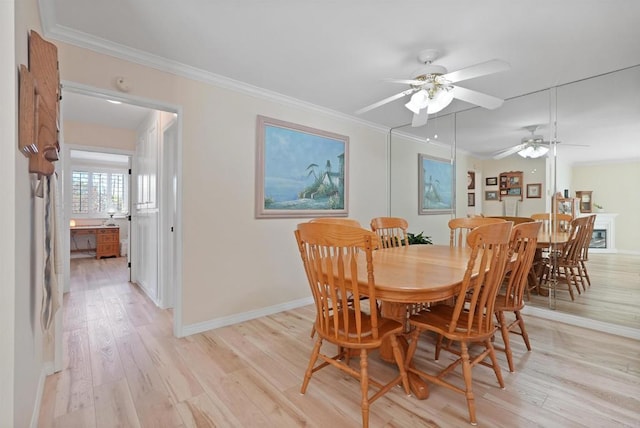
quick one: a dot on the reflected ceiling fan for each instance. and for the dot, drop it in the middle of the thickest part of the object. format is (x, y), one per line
(532, 146)
(432, 89)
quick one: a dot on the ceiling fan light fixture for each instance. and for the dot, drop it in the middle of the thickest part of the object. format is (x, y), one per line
(418, 101)
(533, 151)
(441, 100)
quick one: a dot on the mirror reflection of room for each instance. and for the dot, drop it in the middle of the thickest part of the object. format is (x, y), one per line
(582, 174)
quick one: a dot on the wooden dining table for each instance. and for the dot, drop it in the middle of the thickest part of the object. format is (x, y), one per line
(414, 274)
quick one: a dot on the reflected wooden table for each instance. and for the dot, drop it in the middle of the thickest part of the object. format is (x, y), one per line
(414, 274)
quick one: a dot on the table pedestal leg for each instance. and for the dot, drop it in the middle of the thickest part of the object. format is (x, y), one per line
(398, 312)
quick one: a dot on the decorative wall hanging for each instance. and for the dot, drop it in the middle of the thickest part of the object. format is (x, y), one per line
(39, 107)
(301, 171)
(435, 185)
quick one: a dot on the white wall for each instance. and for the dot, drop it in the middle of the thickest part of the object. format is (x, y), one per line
(22, 273)
(234, 263)
(533, 171)
(616, 187)
(8, 144)
(90, 134)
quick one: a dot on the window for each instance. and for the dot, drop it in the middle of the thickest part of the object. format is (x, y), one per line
(95, 191)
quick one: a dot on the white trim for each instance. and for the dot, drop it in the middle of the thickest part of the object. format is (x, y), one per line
(246, 316)
(47, 369)
(618, 330)
(80, 88)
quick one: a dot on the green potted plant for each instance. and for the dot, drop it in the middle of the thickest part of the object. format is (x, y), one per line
(418, 239)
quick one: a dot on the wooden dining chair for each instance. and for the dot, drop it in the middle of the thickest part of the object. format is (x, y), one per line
(460, 227)
(335, 220)
(334, 258)
(470, 320)
(583, 258)
(562, 265)
(391, 231)
(562, 221)
(523, 243)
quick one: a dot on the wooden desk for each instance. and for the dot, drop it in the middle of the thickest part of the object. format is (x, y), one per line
(107, 239)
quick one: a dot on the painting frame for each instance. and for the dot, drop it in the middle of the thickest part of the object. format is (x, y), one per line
(534, 190)
(471, 199)
(491, 195)
(491, 181)
(436, 181)
(285, 187)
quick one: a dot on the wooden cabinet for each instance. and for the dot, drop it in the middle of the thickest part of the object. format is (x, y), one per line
(511, 184)
(585, 200)
(567, 206)
(108, 242)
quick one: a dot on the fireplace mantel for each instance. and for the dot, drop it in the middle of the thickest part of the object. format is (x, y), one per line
(607, 222)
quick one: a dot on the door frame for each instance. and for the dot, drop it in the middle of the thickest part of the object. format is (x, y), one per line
(162, 239)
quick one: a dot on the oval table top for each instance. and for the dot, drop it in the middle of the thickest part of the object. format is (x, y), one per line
(418, 273)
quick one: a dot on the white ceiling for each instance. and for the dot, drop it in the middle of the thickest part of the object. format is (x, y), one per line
(336, 55)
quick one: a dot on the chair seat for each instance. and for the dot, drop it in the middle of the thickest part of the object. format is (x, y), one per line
(367, 340)
(501, 306)
(438, 319)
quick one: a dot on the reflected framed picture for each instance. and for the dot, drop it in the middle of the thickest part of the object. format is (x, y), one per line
(471, 180)
(300, 171)
(534, 190)
(435, 185)
(471, 199)
(491, 195)
(491, 181)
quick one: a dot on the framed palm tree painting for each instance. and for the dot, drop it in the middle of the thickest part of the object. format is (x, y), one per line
(435, 187)
(300, 171)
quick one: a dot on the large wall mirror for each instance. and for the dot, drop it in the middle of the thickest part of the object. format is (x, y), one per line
(597, 124)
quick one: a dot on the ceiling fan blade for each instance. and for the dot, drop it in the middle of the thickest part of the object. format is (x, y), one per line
(406, 81)
(385, 101)
(420, 119)
(482, 69)
(477, 98)
(508, 152)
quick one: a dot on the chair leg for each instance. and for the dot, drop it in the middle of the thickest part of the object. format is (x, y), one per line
(438, 347)
(523, 330)
(504, 329)
(494, 362)
(364, 387)
(466, 372)
(312, 362)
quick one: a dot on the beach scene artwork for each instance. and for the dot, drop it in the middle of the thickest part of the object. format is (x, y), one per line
(436, 184)
(303, 172)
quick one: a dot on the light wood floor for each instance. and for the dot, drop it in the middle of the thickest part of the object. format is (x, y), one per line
(123, 368)
(614, 295)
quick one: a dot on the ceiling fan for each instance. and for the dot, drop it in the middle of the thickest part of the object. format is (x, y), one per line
(531, 146)
(432, 89)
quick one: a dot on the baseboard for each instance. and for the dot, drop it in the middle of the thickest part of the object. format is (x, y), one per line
(618, 330)
(47, 369)
(190, 329)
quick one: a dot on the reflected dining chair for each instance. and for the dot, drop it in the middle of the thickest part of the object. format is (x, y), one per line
(460, 227)
(523, 243)
(391, 231)
(583, 258)
(470, 320)
(331, 254)
(563, 264)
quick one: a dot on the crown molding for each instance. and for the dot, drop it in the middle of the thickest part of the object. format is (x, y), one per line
(96, 44)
